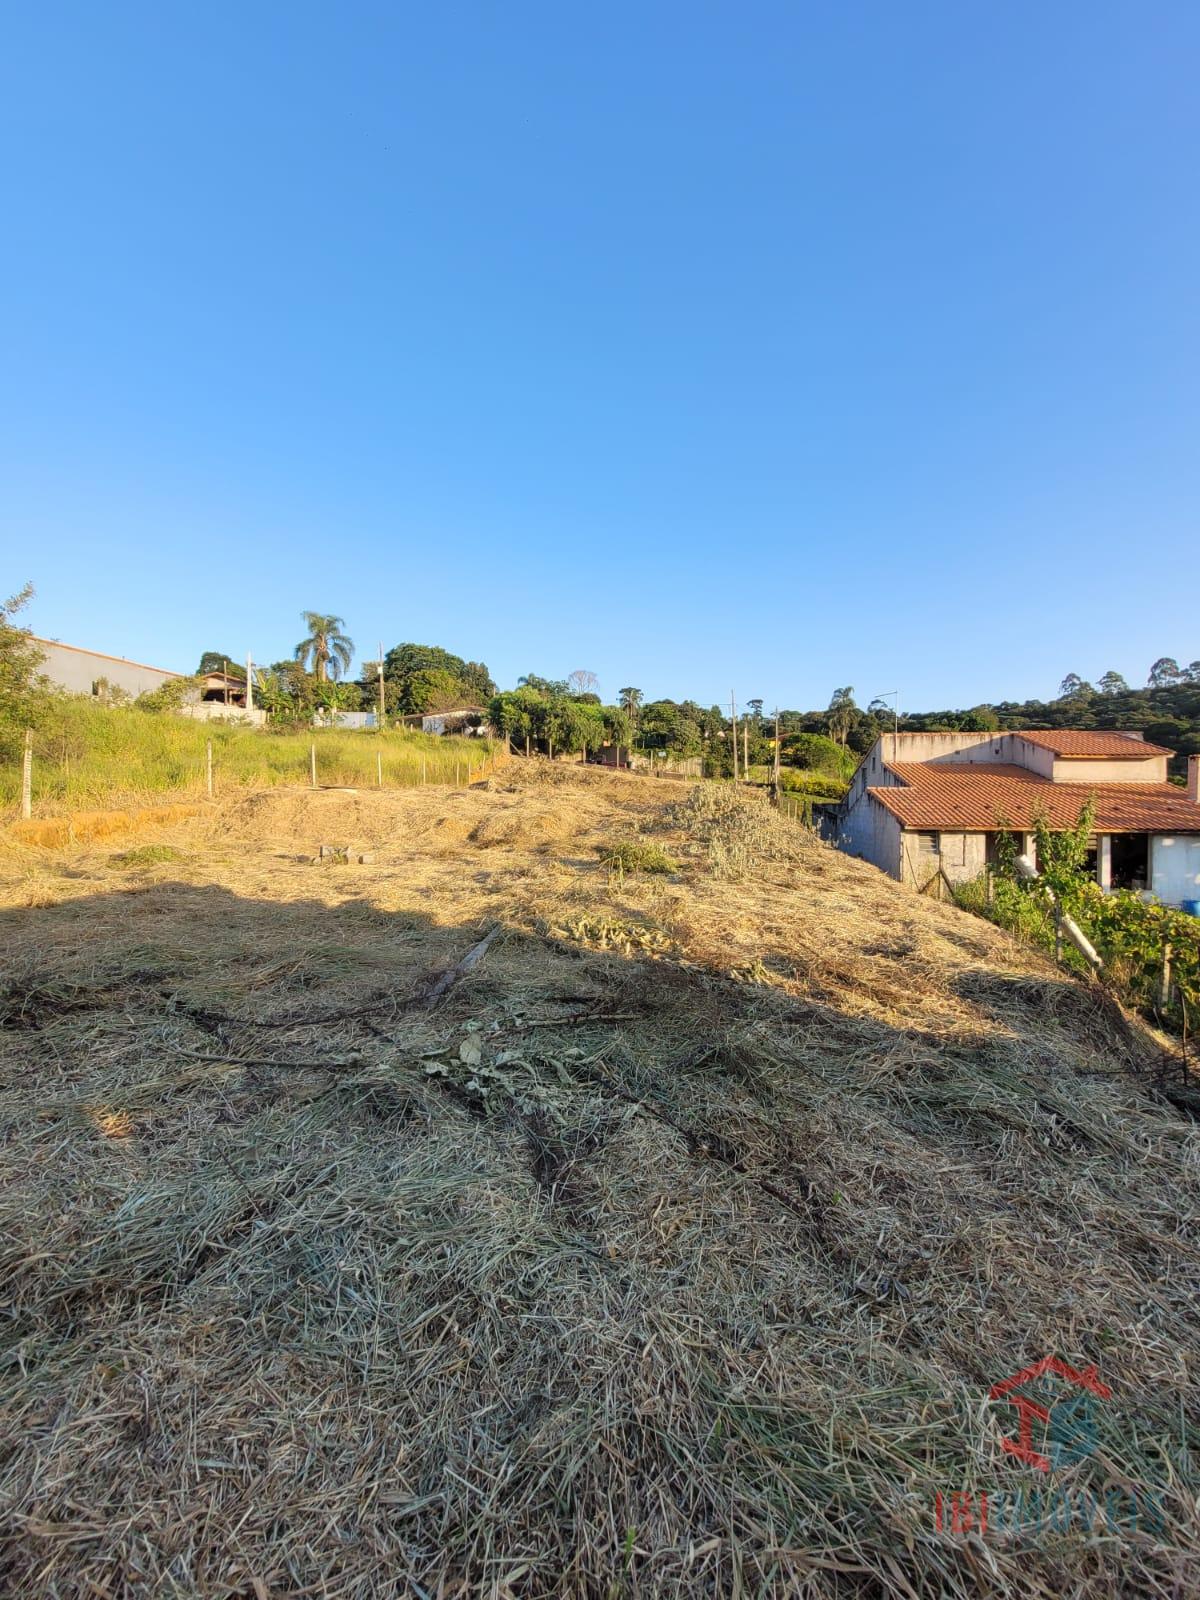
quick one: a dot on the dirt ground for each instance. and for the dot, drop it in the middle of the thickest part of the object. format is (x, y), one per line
(495, 1216)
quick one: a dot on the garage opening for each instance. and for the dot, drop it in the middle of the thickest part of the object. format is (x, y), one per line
(1130, 860)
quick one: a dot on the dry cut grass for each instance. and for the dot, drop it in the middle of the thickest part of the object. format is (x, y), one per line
(672, 1250)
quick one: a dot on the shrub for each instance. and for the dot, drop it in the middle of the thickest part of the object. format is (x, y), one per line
(639, 855)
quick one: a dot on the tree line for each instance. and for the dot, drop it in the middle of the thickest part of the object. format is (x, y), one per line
(568, 715)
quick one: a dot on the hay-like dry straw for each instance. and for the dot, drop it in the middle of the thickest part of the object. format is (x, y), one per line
(672, 1251)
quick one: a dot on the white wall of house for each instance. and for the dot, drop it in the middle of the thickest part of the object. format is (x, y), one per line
(218, 711)
(1175, 867)
(961, 856)
(1151, 770)
(955, 749)
(78, 671)
(870, 831)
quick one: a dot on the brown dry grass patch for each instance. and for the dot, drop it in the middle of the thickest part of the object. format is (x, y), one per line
(672, 1252)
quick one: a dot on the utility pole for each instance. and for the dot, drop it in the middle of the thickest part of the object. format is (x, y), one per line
(249, 684)
(894, 696)
(745, 752)
(775, 769)
(381, 704)
(733, 730)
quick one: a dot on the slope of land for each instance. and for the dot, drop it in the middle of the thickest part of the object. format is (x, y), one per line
(669, 1245)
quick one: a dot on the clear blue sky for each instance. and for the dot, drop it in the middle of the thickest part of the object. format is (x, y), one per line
(774, 346)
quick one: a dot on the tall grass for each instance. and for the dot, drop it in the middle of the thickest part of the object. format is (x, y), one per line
(87, 755)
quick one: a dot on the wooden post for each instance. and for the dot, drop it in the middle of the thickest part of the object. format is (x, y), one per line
(27, 775)
(1057, 934)
(379, 768)
(208, 768)
(422, 769)
(312, 761)
(991, 887)
(1164, 999)
(745, 752)
(456, 775)
(382, 704)
(775, 784)
(733, 730)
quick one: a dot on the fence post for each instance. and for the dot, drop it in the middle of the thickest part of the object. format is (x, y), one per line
(27, 776)
(208, 768)
(1165, 989)
(379, 767)
(457, 774)
(312, 761)
(422, 769)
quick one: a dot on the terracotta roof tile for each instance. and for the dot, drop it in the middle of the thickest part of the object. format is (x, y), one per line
(977, 797)
(1091, 744)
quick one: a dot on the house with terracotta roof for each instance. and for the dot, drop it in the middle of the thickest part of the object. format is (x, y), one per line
(924, 805)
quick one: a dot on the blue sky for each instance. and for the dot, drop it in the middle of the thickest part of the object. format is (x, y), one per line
(769, 346)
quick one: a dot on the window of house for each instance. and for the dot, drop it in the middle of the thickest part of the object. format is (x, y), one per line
(929, 842)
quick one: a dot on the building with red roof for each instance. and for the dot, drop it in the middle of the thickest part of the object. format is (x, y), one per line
(932, 805)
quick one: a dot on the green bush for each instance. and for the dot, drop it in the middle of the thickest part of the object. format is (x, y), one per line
(639, 855)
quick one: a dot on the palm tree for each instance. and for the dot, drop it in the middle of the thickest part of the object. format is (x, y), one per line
(326, 646)
(842, 714)
(631, 699)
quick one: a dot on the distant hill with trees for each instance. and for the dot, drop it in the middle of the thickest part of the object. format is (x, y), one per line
(1166, 712)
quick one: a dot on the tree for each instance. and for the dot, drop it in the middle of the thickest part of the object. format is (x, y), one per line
(404, 662)
(332, 696)
(980, 719)
(1113, 683)
(581, 681)
(325, 645)
(1073, 687)
(631, 699)
(219, 661)
(20, 680)
(546, 686)
(515, 712)
(756, 710)
(842, 714)
(434, 689)
(1192, 672)
(1164, 673)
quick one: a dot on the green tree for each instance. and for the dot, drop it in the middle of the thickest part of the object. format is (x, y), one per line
(434, 689)
(21, 681)
(842, 714)
(1073, 687)
(325, 646)
(545, 686)
(1112, 683)
(1164, 672)
(514, 713)
(980, 719)
(219, 661)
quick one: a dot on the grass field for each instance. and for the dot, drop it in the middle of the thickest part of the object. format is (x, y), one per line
(90, 755)
(607, 1190)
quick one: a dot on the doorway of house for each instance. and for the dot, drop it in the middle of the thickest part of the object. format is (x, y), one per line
(1130, 861)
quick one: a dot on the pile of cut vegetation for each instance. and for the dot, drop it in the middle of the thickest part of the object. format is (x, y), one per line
(647, 1206)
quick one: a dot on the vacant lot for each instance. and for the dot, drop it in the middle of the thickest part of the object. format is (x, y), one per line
(668, 1244)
